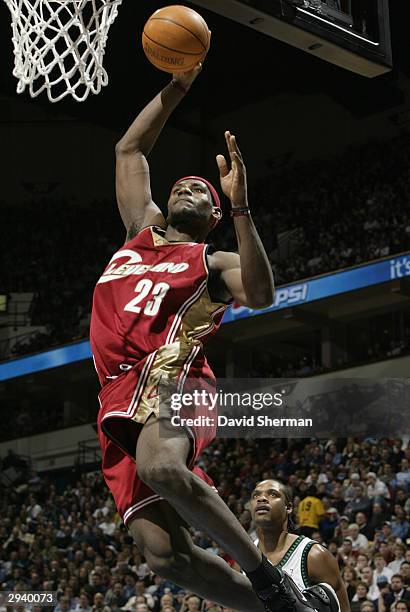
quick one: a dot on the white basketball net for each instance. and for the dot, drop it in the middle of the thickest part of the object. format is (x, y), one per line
(59, 45)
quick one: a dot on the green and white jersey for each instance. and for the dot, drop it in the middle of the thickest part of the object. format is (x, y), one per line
(294, 562)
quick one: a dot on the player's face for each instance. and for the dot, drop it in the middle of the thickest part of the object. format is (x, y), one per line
(190, 201)
(268, 504)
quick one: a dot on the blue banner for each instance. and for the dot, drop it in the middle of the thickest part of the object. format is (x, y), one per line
(328, 285)
(285, 297)
(45, 361)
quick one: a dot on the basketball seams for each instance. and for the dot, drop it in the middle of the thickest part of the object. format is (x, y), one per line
(181, 26)
(207, 33)
(170, 48)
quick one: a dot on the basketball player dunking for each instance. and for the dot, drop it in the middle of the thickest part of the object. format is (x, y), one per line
(158, 299)
(301, 558)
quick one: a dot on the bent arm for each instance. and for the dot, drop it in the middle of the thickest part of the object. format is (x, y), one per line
(323, 567)
(255, 268)
(248, 276)
(133, 187)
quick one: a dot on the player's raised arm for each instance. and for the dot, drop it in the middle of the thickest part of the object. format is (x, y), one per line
(133, 187)
(248, 276)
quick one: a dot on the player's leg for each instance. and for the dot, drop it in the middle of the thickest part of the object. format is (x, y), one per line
(161, 460)
(163, 539)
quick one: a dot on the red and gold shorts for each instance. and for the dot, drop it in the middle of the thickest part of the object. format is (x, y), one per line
(125, 405)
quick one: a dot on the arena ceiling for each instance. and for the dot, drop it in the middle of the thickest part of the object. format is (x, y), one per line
(229, 81)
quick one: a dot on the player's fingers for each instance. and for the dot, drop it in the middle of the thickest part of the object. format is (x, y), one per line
(235, 146)
(228, 140)
(222, 165)
(238, 163)
(230, 145)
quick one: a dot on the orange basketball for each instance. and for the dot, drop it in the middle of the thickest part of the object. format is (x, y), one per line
(175, 39)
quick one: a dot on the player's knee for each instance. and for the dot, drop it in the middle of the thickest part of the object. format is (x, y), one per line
(162, 556)
(163, 477)
(173, 566)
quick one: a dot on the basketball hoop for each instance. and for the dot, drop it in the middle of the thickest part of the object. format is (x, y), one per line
(59, 45)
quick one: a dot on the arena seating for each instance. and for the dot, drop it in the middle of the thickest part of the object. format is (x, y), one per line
(65, 535)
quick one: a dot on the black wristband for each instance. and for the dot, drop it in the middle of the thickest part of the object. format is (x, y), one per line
(178, 85)
(240, 212)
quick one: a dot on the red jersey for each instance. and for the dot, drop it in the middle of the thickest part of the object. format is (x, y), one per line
(152, 295)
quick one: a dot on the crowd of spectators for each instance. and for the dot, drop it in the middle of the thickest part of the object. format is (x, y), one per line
(376, 340)
(342, 211)
(65, 536)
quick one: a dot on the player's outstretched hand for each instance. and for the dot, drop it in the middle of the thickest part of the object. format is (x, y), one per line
(233, 179)
(185, 79)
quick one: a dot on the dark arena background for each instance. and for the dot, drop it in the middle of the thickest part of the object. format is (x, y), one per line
(327, 151)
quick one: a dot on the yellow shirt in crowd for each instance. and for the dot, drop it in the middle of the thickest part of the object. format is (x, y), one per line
(310, 512)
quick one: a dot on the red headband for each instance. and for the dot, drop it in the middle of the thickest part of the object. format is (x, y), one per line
(214, 193)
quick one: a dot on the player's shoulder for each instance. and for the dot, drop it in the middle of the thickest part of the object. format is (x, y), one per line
(143, 234)
(306, 543)
(318, 554)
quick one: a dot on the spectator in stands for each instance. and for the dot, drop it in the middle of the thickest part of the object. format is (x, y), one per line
(396, 592)
(136, 600)
(34, 509)
(63, 605)
(398, 551)
(353, 485)
(191, 604)
(329, 523)
(108, 526)
(367, 606)
(400, 525)
(388, 476)
(359, 541)
(349, 576)
(359, 597)
(346, 552)
(115, 597)
(380, 568)
(96, 585)
(83, 604)
(342, 530)
(362, 560)
(401, 606)
(364, 527)
(403, 476)
(378, 516)
(310, 512)
(405, 573)
(366, 575)
(167, 600)
(129, 587)
(359, 503)
(99, 605)
(376, 489)
(386, 532)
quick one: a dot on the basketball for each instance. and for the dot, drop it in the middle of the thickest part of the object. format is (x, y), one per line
(175, 39)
